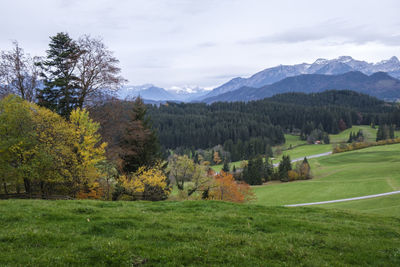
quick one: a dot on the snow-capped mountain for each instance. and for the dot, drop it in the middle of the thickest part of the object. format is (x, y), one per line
(379, 84)
(151, 92)
(339, 65)
(188, 93)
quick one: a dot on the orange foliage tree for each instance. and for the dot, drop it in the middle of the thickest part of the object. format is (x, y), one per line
(227, 189)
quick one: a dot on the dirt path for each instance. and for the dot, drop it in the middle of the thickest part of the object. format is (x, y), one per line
(343, 200)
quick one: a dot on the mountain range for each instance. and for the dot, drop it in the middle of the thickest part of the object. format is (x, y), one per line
(154, 93)
(376, 79)
(379, 84)
(336, 66)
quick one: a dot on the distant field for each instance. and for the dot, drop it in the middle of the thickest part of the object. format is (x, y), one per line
(369, 134)
(301, 149)
(191, 233)
(357, 173)
(388, 205)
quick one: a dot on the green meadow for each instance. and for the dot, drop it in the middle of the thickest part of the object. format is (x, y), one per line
(191, 233)
(296, 148)
(386, 205)
(351, 174)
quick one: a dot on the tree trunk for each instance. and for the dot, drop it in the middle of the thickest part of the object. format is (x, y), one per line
(42, 190)
(27, 185)
(191, 191)
(5, 187)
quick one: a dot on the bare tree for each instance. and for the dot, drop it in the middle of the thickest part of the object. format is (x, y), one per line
(18, 73)
(98, 70)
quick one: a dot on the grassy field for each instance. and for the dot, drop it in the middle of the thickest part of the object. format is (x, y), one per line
(388, 205)
(301, 149)
(357, 173)
(195, 233)
(369, 134)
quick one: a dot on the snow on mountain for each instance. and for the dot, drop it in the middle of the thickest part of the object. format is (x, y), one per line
(154, 93)
(336, 66)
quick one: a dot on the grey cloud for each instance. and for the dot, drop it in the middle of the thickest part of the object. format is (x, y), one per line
(340, 31)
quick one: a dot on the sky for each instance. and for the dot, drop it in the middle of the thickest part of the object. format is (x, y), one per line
(208, 42)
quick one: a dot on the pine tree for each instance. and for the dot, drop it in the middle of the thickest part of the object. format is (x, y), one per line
(60, 83)
(351, 138)
(284, 167)
(139, 145)
(391, 132)
(269, 169)
(225, 168)
(379, 134)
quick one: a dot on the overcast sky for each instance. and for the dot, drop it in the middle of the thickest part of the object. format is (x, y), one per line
(208, 42)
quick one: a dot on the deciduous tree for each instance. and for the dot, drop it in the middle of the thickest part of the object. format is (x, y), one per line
(18, 73)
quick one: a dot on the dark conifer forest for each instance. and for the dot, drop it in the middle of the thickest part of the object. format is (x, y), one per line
(247, 129)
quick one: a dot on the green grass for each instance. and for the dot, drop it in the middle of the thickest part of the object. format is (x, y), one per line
(293, 140)
(300, 148)
(357, 173)
(195, 233)
(387, 205)
(369, 134)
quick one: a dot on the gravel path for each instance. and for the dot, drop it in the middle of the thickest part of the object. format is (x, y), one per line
(309, 157)
(344, 199)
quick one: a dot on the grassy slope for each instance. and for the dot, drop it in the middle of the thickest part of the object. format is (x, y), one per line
(388, 205)
(369, 134)
(94, 233)
(363, 172)
(306, 150)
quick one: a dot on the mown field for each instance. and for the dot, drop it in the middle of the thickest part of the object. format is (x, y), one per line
(357, 173)
(195, 233)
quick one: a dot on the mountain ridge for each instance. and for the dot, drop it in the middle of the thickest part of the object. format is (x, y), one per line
(378, 84)
(335, 66)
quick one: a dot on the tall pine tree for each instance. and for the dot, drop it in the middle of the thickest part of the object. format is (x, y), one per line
(60, 83)
(139, 144)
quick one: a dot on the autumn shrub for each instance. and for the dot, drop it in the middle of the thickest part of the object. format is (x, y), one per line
(360, 145)
(227, 189)
(147, 183)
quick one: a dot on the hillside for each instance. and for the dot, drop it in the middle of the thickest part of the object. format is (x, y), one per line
(320, 66)
(380, 85)
(357, 173)
(195, 233)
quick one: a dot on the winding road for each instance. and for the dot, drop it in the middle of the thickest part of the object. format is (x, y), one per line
(308, 157)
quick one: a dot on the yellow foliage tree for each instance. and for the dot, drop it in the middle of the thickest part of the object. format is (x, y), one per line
(43, 153)
(87, 146)
(146, 184)
(216, 157)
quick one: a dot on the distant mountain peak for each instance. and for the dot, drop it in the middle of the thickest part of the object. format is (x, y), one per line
(345, 59)
(320, 61)
(379, 84)
(335, 66)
